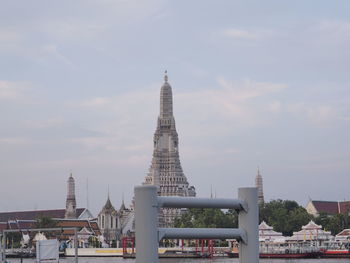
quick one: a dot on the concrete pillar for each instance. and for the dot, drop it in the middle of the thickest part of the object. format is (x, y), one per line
(146, 224)
(249, 221)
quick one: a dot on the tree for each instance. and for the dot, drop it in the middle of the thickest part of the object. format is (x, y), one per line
(207, 218)
(284, 216)
(334, 223)
(45, 222)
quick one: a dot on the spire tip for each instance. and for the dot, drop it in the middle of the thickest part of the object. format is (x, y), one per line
(166, 76)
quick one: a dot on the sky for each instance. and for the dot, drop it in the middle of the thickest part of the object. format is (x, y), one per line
(255, 83)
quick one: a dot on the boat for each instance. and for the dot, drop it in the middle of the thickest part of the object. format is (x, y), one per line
(280, 255)
(336, 250)
(283, 250)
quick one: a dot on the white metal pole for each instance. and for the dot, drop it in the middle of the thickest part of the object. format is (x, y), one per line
(248, 221)
(146, 224)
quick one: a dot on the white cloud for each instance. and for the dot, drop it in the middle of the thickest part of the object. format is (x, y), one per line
(11, 90)
(274, 106)
(43, 124)
(317, 114)
(244, 34)
(15, 141)
(239, 33)
(98, 101)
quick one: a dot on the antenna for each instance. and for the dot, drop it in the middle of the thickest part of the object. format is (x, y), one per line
(87, 192)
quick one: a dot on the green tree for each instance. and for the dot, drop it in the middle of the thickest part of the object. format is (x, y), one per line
(333, 223)
(45, 222)
(207, 218)
(284, 216)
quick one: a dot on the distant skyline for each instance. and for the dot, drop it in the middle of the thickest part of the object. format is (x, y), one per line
(255, 83)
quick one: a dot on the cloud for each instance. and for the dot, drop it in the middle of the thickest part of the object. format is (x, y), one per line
(239, 33)
(274, 106)
(315, 113)
(11, 90)
(98, 101)
(244, 34)
(15, 141)
(332, 31)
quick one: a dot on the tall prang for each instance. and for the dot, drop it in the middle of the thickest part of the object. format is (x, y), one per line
(71, 204)
(259, 185)
(166, 171)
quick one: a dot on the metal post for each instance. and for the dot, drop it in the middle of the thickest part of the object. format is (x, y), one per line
(146, 224)
(76, 245)
(248, 221)
(4, 247)
(1, 255)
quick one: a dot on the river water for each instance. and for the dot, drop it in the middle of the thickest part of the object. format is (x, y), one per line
(216, 260)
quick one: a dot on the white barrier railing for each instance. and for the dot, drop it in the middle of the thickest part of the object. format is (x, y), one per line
(148, 234)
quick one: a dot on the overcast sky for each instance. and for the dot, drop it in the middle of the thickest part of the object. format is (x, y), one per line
(255, 83)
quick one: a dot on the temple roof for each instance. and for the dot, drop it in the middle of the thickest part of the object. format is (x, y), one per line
(345, 232)
(264, 226)
(32, 215)
(311, 225)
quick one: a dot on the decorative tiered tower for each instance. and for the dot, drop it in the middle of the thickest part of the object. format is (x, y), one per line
(259, 185)
(166, 171)
(71, 204)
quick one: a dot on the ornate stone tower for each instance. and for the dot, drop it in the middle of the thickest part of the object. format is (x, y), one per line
(71, 204)
(166, 171)
(259, 185)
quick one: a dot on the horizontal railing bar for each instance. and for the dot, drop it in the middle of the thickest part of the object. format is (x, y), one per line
(202, 233)
(39, 229)
(195, 202)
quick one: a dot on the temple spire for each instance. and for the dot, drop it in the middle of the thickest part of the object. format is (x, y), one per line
(259, 185)
(70, 201)
(166, 76)
(166, 99)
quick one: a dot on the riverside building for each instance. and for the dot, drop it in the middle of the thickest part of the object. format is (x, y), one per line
(165, 171)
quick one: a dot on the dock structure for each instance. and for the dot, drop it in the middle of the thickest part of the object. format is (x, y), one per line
(4, 233)
(148, 235)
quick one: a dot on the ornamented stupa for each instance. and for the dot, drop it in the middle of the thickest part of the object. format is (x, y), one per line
(259, 185)
(71, 204)
(166, 171)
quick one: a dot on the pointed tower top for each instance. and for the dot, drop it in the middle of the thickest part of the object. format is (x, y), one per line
(258, 171)
(166, 76)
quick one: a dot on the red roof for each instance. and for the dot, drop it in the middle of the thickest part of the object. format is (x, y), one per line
(328, 207)
(344, 207)
(32, 215)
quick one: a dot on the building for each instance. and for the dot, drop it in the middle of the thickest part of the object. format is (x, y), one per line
(71, 215)
(114, 224)
(314, 207)
(311, 232)
(165, 171)
(71, 203)
(259, 185)
(108, 221)
(267, 234)
(343, 236)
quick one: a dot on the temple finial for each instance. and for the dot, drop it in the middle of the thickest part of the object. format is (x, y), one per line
(258, 170)
(166, 76)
